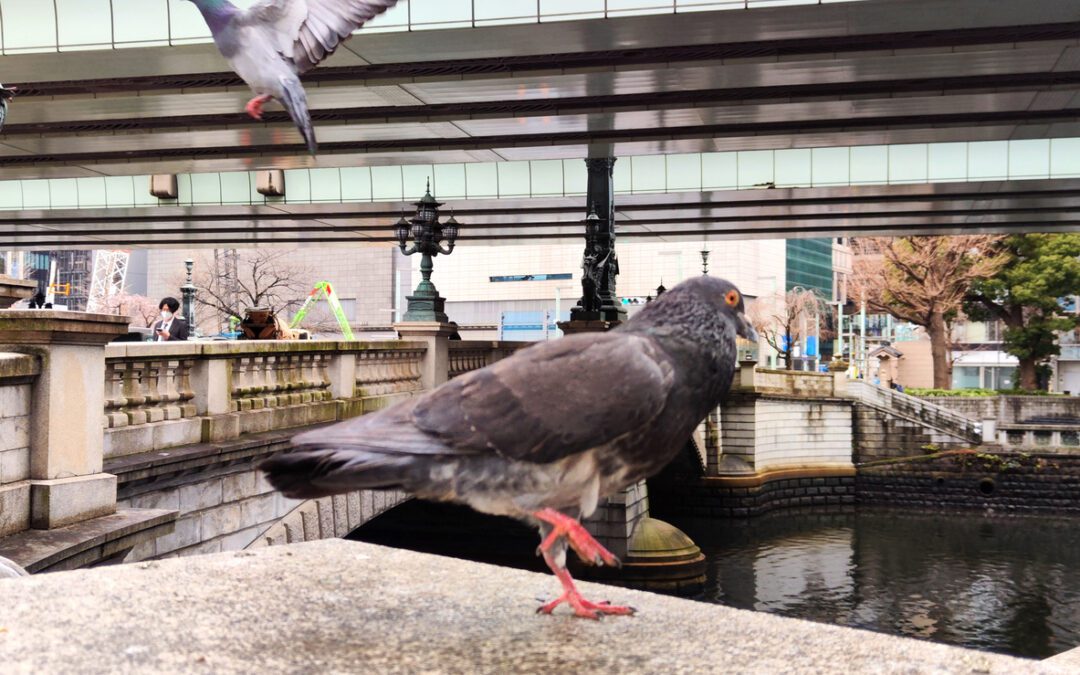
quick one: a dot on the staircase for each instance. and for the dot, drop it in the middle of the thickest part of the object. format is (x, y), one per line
(916, 410)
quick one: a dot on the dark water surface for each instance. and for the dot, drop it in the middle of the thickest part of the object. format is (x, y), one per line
(1000, 584)
(1007, 585)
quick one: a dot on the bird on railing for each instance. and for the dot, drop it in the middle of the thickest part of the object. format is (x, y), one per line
(273, 42)
(543, 434)
(6, 94)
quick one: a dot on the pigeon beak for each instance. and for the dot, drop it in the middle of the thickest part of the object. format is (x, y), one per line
(744, 329)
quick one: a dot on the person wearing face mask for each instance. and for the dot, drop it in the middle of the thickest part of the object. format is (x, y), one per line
(170, 328)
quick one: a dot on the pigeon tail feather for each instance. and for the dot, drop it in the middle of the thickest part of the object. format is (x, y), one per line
(310, 474)
(295, 101)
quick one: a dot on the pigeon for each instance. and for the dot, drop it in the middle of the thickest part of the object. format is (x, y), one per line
(542, 435)
(10, 570)
(6, 94)
(273, 42)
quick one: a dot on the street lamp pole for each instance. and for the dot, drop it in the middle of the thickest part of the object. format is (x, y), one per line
(427, 234)
(188, 291)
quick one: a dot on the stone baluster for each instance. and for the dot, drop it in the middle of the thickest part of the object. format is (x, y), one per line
(239, 380)
(170, 390)
(187, 394)
(115, 401)
(135, 392)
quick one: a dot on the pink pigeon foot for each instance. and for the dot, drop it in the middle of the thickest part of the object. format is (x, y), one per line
(254, 106)
(588, 549)
(571, 596)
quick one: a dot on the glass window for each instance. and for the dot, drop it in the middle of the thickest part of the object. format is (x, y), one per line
(325, 185)
(513, 179)
(719, 170)
(831, 166)
(29, 25)
(1065, 157)
(566, 9)
(205, 188)
(948, 161)
(185, 23)
(482, 180)
(441, 13)
(298, 186)
(576, 177)
(356, 184)
(63, 193)
(1029, 159)
(907, 163)
(793, 168)
(505, 11)
(988, 160)
(35, 194)
(649, 173)
(449, 181)
(966, 377)
(140, 22)
(84, 23)
(236, 188)
(92, 192)
(684, 172)
(755, 168)
(386, 183)
(119, 191)
(546, 177)
(869, 164)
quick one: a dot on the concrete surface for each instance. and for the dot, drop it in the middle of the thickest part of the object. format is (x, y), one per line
(338, 606)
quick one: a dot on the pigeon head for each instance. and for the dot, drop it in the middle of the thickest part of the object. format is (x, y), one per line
(703, 306)
(6, 93)
(216, 12)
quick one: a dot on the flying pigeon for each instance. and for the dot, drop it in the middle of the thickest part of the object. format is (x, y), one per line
(273, 42)
(6, 94)
(544, 434)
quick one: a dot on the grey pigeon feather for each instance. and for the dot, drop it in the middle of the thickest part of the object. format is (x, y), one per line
(550, 429)
(273, 42)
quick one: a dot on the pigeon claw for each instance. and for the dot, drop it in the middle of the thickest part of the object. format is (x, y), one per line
(588, 549)
(585, 609)
(254, 106)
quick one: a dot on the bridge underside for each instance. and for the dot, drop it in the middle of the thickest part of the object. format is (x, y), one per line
(955, 208)
(839, 74)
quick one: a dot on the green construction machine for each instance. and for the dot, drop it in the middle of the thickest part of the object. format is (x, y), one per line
(321, 290)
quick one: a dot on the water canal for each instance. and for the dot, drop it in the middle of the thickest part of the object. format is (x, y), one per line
(1003, 584)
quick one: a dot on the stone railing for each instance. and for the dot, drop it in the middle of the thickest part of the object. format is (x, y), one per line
(1039, 437)
(916, 409)
(466, 356)
(788, 383)
(159, 396)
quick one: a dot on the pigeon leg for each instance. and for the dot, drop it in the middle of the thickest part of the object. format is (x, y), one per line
(588, 549)
(254, 106)
(572, 597)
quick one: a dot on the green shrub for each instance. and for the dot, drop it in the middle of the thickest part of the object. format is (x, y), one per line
(977, 393)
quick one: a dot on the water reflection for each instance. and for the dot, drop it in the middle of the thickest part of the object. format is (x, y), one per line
(1000, 584)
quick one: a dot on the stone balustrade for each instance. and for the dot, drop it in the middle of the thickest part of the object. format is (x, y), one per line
(17, 372)
(916, 409)
(466, 356)
(160, 396)
(1039, 437)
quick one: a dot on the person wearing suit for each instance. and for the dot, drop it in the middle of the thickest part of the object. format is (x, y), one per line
(170, 328)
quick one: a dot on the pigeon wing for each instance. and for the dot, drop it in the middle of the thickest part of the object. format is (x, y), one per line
(308, 31)
(553, 400)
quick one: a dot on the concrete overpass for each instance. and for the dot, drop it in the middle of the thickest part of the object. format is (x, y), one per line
(894, 85)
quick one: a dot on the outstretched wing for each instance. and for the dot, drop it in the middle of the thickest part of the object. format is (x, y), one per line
(550, 401)
(308, 31)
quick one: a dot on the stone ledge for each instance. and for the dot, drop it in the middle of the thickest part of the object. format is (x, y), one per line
(85, 543)
(315, 608)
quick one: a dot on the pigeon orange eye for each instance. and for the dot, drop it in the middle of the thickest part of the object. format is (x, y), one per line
(732, 298)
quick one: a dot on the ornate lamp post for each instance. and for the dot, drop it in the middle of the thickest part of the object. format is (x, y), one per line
(704, 261)
(427, 234)
(188, 292)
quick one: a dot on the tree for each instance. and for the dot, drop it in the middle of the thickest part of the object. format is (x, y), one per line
(1025, 295)
(923, 280)
(785, 320)
(255, 278)
(139, 308)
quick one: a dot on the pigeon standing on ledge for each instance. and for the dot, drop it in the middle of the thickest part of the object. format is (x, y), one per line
(544, 434)
(6, 94)
(273, 42)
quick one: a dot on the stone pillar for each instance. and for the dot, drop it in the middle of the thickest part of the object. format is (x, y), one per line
(342, 373)
(436, 335)
(211, 381)
(67, 403)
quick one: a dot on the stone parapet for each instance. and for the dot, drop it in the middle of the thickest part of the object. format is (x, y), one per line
(395, 611)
